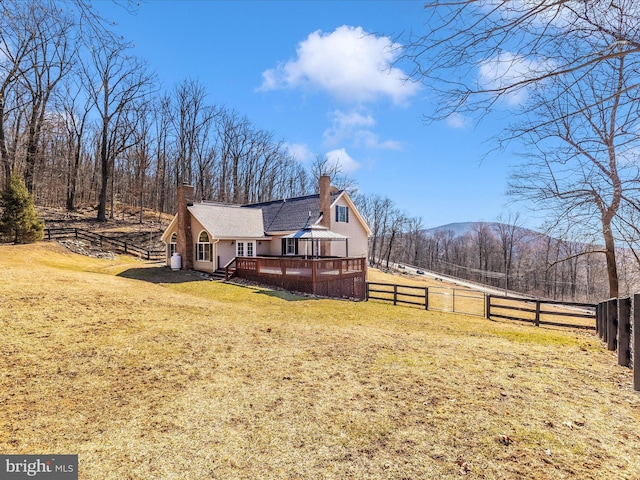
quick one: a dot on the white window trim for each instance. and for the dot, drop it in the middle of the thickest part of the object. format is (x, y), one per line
(173, 244)
(290, 244)
(245, 248)
(203, 249)
(342, 214)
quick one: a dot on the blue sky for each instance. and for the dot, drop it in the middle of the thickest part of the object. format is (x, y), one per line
(308, 71)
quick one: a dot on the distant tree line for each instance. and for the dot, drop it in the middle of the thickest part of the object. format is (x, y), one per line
(83, 121)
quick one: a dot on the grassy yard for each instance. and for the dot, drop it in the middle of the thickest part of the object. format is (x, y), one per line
(151, 374)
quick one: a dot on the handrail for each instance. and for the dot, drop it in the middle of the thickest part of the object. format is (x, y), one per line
(227, 267)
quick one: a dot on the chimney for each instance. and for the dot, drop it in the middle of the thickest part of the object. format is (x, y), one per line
(325, 210)
(325, 200)
(184, 242)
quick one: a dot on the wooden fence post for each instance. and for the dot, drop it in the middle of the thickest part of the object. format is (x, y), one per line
(487, 301)
(426, 298)
(453, 300)
(612, 324)
(599, 319)
(395, 294)
(605, 320)
(537, 313)
(624, 331)
(636, 342)
(366, 291)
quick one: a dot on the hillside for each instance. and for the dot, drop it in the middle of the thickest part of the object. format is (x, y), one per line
(461, 229)
(149, 373)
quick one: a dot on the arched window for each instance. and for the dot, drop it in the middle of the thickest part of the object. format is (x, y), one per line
(203, 247)
(172, 243)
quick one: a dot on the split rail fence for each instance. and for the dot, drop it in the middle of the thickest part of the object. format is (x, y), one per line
(103, 241)
(442, 299)
(617, 327)
(460, 300)
(542, 312)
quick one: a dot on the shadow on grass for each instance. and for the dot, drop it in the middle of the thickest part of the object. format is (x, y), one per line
(267, 291)
(162, 274)
(288, 296)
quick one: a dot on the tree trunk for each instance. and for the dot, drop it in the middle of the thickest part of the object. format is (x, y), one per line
(610, 255)
(73, 179)
(104, 177)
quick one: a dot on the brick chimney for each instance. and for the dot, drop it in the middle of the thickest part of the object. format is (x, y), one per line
(325, 210)
(184, 241)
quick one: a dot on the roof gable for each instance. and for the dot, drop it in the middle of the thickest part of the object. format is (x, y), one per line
(224, 221)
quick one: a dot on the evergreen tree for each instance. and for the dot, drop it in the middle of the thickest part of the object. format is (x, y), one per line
(19, 222)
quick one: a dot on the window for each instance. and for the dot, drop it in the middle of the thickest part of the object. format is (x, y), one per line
(342, 214)
(203, 248)
(291, 246)
(172, 244)
(245, 249)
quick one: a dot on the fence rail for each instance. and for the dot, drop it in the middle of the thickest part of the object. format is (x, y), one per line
(459, 300)
(538, 311)
(442, 299)
(104, 241)
(399, 294)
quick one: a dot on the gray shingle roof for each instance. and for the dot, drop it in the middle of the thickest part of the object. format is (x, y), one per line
(290, 214)
(224, 221)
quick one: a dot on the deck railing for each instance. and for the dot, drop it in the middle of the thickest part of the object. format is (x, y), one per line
(327, 277)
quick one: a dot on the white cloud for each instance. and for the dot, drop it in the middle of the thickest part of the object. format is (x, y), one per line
(344, 125)
(352, 126)
(457, 120)
(349, 64)
(341, 158)
(372, 141)
(507, 69)
(300, 152)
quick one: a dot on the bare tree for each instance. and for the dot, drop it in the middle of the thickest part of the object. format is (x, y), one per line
(570, 69)
(323, 166)
(115, 82)
(510, 234)
(75, 110)
(397, 223)
(48, 62)
(478, 51)
(583, 167)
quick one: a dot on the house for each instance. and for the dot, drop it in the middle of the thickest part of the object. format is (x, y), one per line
(210, 237)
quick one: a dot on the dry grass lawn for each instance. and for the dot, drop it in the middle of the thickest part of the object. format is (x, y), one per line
(151, 374)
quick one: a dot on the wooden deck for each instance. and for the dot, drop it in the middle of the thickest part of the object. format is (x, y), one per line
(327, 277)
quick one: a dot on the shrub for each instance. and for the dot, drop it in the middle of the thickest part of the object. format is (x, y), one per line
(19, 222)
